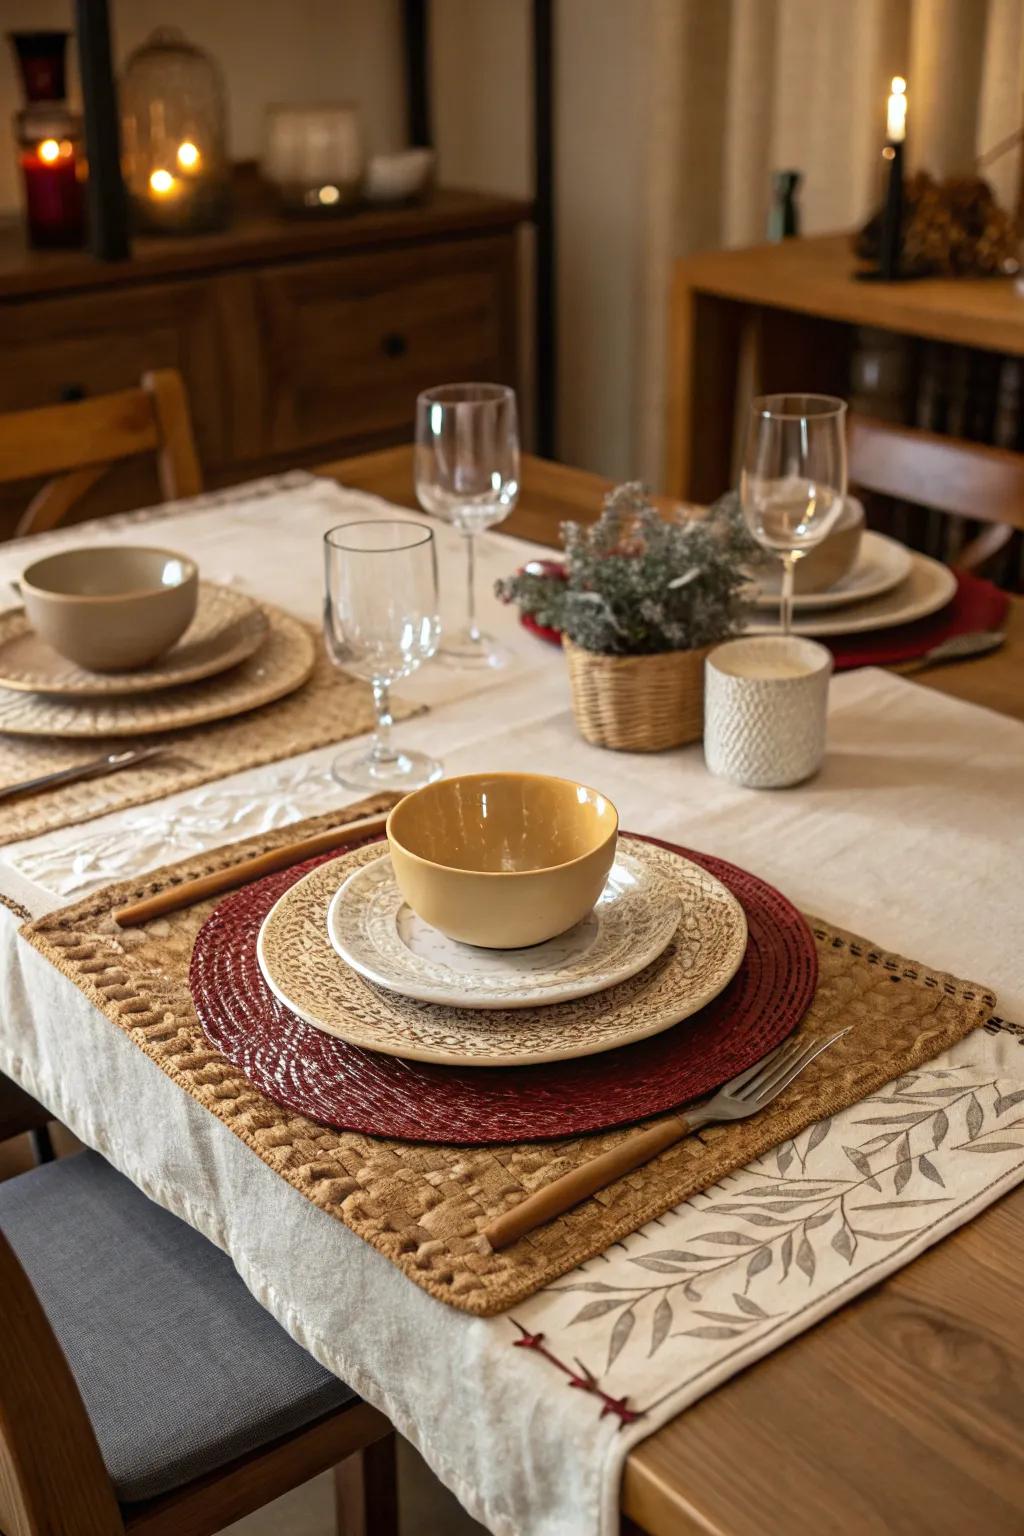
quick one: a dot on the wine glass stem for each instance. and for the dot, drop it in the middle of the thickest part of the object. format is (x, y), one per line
(788, 574)
(472, 627)
(382, 750)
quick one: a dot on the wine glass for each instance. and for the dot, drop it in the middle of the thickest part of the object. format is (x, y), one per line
(793, 481)
(467, 471)
(380, 623)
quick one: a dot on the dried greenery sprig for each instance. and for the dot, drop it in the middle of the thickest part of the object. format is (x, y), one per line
(635, 584)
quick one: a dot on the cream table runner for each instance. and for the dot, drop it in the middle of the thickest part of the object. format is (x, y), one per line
(911, 834)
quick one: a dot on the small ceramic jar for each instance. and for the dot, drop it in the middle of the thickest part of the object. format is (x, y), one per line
(765, 705)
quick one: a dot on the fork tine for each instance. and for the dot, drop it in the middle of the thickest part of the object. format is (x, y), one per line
(767, 1068)
(781, 1080)
(744, 1077)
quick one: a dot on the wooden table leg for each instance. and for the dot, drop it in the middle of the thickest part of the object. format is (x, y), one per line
(366, 1491)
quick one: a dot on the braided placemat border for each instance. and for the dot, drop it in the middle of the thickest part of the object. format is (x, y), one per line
(423, 1206)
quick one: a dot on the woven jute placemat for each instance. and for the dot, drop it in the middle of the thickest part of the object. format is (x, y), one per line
(424, 1206)
(331, 706)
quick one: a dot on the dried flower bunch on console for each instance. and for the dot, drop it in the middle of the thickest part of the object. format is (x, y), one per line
(951, 228)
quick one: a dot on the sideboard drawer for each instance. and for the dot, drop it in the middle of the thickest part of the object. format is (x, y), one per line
(96, 342)
(350, 342)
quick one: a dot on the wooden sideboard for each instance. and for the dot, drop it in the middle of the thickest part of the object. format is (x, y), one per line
(298, 341)
(785, 317)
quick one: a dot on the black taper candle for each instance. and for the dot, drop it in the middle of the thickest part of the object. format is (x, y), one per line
(891, 243)
(108, 208)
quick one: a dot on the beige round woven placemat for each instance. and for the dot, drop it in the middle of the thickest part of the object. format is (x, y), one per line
(228, 628)
(282, 664)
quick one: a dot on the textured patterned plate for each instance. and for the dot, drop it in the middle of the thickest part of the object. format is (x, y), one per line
(303, 971)
(928, 587)
(283, 663)
(227, 628)
(338, 1084)
(374, 931)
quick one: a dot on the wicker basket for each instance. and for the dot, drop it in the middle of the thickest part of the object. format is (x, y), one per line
(637, 703)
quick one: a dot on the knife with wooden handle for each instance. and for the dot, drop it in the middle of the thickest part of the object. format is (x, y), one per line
(201, 889)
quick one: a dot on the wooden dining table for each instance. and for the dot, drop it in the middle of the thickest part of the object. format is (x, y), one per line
(902, 1411)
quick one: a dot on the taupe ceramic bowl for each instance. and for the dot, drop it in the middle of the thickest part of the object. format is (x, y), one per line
(502, 860)
(836, 556)
(111, 608)
(828, 562)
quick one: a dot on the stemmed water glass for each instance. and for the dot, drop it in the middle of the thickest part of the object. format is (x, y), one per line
(467, 471)
(380, 623)
(793, 480)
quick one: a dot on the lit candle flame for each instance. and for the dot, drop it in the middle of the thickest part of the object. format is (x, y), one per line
(49, 151)
(896, 115)
(188, 156)
(162, 183)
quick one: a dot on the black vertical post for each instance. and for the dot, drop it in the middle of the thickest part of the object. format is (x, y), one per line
(417, 72)
(544, 217)
(108, 211)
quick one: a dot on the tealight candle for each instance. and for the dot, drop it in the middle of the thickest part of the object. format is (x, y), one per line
(162, 183)
(765, 704)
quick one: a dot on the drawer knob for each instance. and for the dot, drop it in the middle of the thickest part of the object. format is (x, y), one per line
(394, 345)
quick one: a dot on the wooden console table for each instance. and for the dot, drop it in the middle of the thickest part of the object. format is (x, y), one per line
(784, 317)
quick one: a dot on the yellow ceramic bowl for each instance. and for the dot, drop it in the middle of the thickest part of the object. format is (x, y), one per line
(111, 608)
(502, 860)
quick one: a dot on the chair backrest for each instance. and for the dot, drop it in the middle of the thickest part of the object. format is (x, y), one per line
(79, 441)
(947, 474)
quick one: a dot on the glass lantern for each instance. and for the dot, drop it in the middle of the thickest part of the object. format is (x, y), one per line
(174, 138)
(314, 157)
(49, 141)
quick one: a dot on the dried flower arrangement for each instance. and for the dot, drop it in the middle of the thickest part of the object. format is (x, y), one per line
(639, 602)
(634, 584)
(951, 228)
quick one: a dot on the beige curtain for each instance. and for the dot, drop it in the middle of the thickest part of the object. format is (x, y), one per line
(739, 88)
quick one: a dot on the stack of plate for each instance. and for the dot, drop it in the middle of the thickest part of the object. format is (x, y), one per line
(889, 585)
(664, 939)
(234, 656)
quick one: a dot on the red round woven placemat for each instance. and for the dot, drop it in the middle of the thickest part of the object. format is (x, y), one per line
(342, 1085)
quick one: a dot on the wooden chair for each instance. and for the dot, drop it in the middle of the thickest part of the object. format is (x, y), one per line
(969, 480)
(78, 442)
(143, 1389)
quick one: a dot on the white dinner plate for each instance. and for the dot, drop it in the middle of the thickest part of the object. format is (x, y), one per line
(375, 932)
(304, 972)
(928, 587)
(882, 563)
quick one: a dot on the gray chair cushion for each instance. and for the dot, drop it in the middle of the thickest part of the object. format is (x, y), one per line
(179, 1367)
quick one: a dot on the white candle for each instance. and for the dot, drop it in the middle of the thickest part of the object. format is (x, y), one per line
(896, 115)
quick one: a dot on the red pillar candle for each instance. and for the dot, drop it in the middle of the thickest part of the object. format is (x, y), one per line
(49, 142)
(54, 204)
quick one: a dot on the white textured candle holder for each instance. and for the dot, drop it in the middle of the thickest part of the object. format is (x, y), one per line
(765, 705)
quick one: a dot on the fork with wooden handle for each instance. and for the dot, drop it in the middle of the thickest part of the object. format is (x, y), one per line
(744, 1095)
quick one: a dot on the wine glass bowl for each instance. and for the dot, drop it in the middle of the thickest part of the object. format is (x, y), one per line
(793, 479)
(467, 472)
(381, 623)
